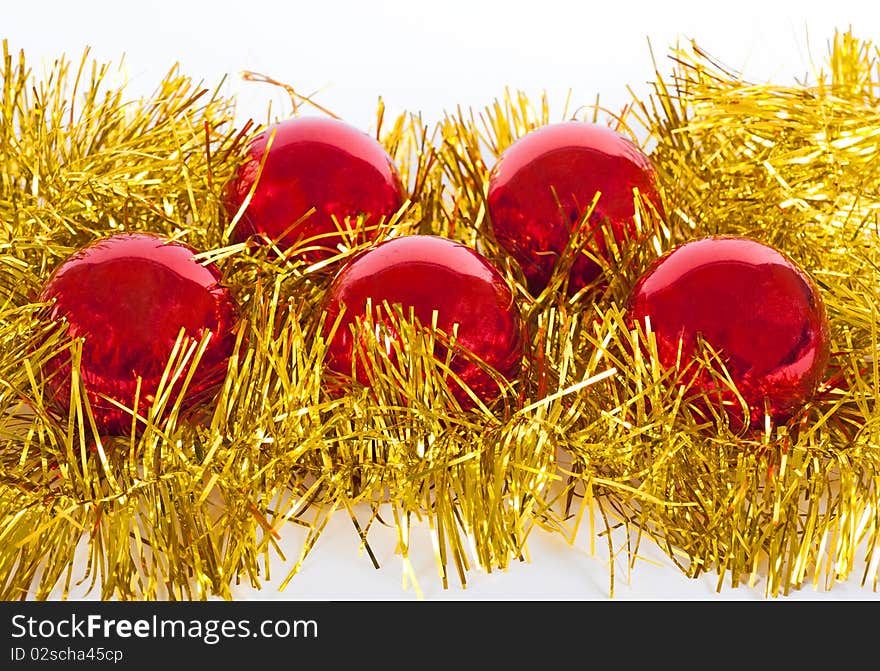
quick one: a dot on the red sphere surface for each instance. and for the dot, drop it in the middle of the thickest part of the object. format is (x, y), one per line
(545, 182)
(753, 305)
(428, 273)
(319, 163)
(128, 296)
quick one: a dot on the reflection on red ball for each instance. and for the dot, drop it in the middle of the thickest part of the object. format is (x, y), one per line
(128, 296)
(319, 163)
(428, 273)
(748, 302)
(545, 182)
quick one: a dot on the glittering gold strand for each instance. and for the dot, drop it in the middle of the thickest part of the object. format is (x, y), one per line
(593, 432)
(405, 442)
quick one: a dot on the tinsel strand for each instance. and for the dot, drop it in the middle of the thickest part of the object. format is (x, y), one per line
(594, 441)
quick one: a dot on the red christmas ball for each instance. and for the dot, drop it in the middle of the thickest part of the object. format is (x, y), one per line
(750, 303)
(319, 163)
(427, 273)
(545, 182)
(127, 297)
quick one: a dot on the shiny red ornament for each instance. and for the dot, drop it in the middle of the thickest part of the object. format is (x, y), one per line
(753, 305)
(128, 296)
(320, 163)
(428, 273)
(545, 182)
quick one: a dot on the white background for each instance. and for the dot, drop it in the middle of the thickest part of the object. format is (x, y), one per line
(430, 57)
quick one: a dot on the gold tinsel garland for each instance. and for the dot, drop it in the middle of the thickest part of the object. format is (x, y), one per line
(594, 431)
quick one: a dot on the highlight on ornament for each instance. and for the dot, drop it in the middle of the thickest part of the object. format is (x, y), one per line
(655, 327)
